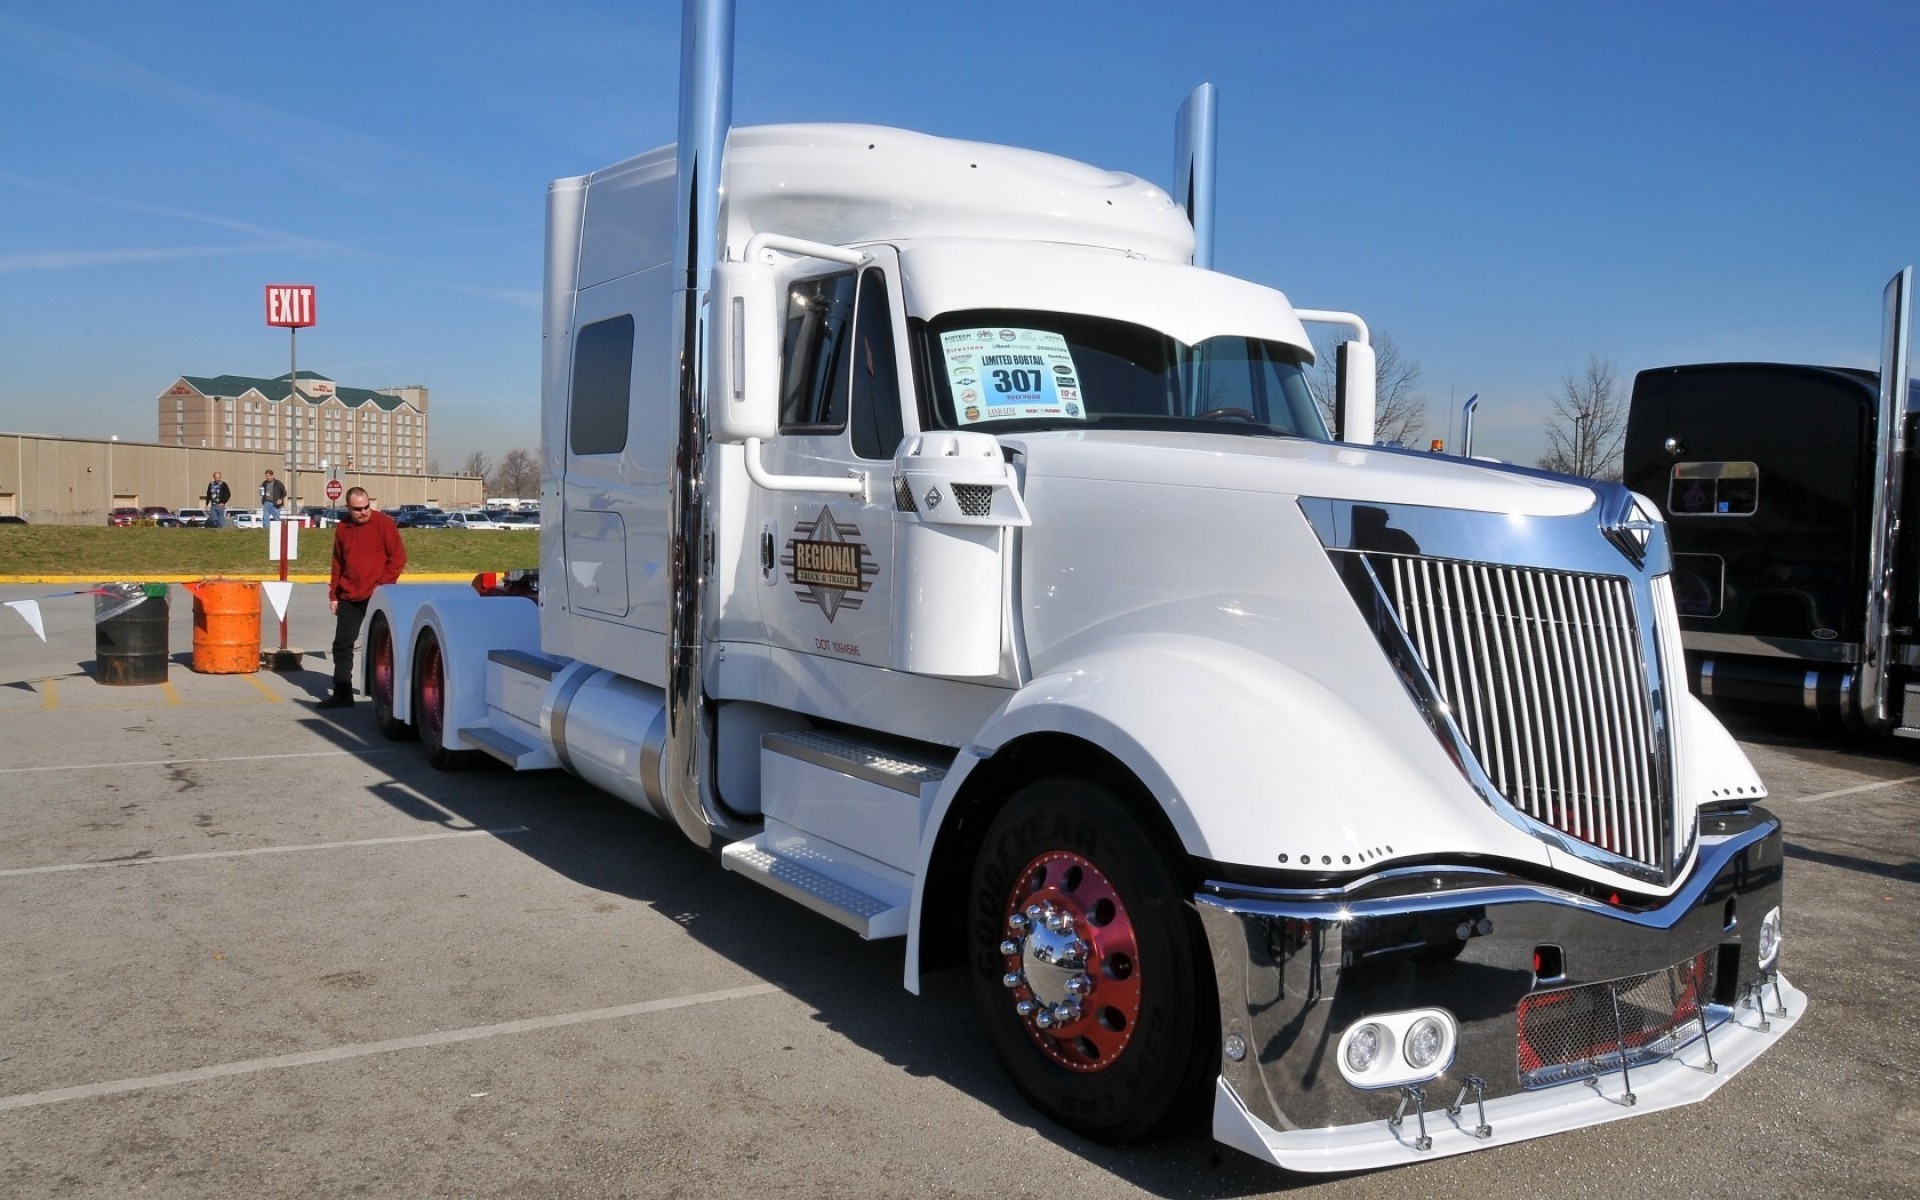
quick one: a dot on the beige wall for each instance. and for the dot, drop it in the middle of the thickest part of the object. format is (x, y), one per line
(77, 481)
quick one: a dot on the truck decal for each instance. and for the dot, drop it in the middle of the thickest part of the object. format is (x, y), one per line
(828, 564)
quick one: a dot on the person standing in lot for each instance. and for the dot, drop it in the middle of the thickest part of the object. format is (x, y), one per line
(366, 553)
(218, 493)
(273, 494)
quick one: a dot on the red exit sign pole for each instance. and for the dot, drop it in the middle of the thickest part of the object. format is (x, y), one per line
(290, 305)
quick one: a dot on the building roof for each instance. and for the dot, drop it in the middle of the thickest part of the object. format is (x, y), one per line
(276, 389)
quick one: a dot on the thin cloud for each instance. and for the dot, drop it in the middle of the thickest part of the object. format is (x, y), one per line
(68, 260)
(351, 162)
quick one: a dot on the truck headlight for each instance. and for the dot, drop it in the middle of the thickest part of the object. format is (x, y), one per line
(1767, 942)
(1426, 1042)
(1398, 1049)
(1364, 1044)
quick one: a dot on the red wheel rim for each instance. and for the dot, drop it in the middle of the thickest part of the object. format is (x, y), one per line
(430, 688)
(1081, 1007)
(383, 668)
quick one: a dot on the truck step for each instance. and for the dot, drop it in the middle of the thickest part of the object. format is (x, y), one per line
(889, 762)
(835, 882)
(516, 752)
(541, 666)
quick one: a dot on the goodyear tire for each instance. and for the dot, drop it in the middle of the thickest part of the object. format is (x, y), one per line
(430, 705)
(380, 681)
(1088, 966)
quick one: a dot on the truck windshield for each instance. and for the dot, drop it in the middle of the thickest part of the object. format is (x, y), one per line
(1004, 368)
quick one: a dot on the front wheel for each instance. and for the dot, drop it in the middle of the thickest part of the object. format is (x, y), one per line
(430, 705)
(1087, 965)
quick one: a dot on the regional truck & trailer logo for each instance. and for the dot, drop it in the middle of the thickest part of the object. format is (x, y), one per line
(828, 565)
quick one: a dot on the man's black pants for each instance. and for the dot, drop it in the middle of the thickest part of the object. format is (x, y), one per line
(348, 616)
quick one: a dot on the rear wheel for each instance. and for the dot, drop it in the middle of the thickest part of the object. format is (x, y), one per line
(380, 679)
(1087, 965)
(430, 705)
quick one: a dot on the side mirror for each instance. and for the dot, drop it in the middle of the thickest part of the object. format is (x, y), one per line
(1354, 383)
(743, 352)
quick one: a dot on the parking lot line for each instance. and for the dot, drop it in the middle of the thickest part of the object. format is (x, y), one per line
(269, 693)
(143, 861)
(333, 1054)
(188, 762)
(1875, 786)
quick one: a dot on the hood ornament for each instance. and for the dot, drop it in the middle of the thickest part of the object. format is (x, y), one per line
(1625, 521)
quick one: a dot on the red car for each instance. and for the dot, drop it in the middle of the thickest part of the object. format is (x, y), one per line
(123, 516)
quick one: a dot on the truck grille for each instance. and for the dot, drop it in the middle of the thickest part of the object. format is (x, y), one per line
(1594, 1029)
(1543, 674)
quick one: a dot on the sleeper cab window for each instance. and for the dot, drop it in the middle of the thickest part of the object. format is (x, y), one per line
(602, 375)
(1714, 489)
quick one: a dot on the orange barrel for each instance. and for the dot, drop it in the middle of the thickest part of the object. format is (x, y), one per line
(226, 627)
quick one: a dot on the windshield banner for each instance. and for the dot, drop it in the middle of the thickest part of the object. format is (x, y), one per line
(1011, 374)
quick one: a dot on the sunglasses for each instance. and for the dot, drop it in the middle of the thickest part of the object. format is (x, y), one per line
(359, 508)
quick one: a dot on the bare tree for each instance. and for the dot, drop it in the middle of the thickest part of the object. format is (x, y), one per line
(518, 475)
(478, 464)
(1400, 412)
(1588, 424)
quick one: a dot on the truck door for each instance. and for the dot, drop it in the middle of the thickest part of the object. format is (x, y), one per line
(843, 409)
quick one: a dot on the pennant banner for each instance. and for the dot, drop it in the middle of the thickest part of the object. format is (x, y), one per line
(278, 590)
(30, 609)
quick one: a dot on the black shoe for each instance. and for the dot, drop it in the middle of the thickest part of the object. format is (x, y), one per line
(337, 700)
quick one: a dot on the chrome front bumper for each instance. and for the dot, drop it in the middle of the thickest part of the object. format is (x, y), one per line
(1296, 969)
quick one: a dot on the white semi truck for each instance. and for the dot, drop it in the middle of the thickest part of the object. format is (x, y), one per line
(929, 537)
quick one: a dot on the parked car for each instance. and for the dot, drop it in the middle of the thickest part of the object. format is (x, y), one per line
(315, 517)
(160, 515)
(10, 519)
(520, 520)
(472, 520)
(192, 517)
(243, 518)
(124, 516)
(418, 516)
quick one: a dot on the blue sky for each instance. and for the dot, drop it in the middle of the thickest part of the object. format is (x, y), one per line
(1505, 188)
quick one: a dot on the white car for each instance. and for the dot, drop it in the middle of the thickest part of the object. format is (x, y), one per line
(243, 518)
(473, 520)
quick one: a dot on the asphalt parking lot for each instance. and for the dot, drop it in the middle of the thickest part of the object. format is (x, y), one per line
(254, 950)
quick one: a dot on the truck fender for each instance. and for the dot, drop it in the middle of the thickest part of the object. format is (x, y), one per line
(468, 627)
(1251, 761)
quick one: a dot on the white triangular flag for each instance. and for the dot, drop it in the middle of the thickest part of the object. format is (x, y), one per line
(277, 591)
(30, 609)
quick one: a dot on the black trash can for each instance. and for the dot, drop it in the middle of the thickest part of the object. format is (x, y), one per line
(130, 633)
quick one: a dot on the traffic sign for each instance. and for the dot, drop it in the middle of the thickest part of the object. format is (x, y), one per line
(333, 490)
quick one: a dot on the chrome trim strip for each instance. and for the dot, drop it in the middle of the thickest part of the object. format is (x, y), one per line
(1772, 647)
(1706, 679)
(557, 721)
(1341, 904)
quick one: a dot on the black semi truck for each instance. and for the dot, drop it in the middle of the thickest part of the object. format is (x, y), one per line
(1795, 529)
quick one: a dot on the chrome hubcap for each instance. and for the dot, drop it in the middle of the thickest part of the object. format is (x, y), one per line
(1070, 962)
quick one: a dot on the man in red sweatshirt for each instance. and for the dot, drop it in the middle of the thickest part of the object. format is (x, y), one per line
(366, 553)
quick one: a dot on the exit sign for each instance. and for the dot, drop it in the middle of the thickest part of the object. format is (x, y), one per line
(290, 304)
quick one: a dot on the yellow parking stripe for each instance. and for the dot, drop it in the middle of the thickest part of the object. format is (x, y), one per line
(264, 690)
